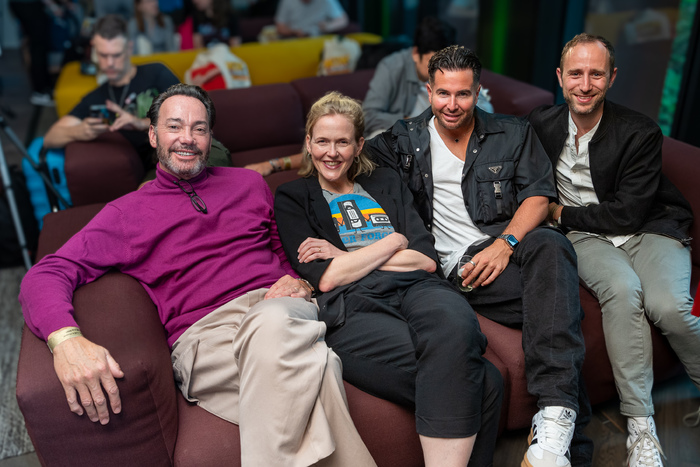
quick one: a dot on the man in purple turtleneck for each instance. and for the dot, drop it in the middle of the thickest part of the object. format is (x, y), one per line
(203, 243)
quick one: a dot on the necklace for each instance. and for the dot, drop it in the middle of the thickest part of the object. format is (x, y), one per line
(113, 98)
(110, 89)
(456, 140)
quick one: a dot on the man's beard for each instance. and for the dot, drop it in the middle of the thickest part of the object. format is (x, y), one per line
(575, 107)
(182, 170)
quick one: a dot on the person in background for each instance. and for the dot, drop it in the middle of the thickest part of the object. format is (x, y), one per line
(398, 88)
(402, 333)
(304, 18)
(126, 95)
(214, 22)
(629, 227)
(36, 26)
(203, 242)
(150, 31)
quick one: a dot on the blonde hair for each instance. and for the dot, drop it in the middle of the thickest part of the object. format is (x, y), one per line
(335, 103)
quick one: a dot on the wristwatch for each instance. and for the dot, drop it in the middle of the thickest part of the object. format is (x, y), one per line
(510, 240)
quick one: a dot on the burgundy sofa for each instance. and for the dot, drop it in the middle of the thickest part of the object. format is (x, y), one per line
(158, 427)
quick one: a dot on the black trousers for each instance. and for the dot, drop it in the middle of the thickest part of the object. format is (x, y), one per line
(37, 26)
(414, 340)
(538, 292)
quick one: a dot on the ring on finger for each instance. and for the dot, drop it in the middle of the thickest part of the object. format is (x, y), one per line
(472, 263)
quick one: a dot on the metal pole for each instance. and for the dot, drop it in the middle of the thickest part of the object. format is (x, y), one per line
(7, 182)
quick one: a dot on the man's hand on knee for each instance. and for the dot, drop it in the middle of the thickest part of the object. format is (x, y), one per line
(287, 286)
(86, 372)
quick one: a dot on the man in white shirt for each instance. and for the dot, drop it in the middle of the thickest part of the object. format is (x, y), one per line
(302, 18)
(629, 226)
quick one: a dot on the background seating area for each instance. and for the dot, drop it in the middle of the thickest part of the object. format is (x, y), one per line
(277, 62)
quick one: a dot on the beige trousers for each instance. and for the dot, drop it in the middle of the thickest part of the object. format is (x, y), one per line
(264, 365)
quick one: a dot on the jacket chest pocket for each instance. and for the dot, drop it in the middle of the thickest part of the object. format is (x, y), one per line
(495, 190)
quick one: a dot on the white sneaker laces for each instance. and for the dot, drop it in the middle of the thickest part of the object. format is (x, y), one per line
(648, 449)
(554, 436)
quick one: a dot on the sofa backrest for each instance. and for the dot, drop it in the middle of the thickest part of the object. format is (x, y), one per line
(353, 85)
(258, 117)
(681, 164)
(511, 96)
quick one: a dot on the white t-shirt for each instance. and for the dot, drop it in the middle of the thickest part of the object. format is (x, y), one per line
(573, 172)
(306, 17)
(453, 228)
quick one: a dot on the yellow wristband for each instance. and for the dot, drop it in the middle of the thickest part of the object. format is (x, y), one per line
(287, 162)
(63, 335)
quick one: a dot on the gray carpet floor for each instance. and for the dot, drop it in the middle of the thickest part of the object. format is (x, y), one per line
(14, 439)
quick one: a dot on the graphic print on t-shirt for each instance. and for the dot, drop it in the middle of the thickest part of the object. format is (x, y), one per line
(360, 220)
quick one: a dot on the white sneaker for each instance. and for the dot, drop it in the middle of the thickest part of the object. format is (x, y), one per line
(643, 448)
(550, 437)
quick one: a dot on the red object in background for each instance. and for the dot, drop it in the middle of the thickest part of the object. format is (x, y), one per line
(185, 30)
(217, 82)
(696, 305)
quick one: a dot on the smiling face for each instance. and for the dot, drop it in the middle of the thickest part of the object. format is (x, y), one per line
(182, 138)
(333, 148)
(585, 79)
(453, 97)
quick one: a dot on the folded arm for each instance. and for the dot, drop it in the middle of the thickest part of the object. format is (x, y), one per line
(388, 254)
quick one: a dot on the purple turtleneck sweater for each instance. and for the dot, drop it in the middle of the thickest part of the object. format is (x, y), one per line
(190, 263)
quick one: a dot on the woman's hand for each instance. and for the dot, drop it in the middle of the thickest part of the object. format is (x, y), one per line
(316, 248)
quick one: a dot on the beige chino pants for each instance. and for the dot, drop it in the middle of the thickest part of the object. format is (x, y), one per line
(264, 365)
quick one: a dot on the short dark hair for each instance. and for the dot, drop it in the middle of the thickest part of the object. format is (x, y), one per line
(585, 38)
(432, 35)
(182, 89)
(455, 58)
(110, 26)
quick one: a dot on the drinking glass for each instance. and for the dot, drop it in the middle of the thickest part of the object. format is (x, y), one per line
(463, 261)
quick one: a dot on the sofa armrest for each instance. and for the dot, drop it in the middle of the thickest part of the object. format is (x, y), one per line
(102, 170)
(114, 312)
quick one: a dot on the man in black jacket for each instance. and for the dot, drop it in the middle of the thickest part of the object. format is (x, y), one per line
(628, 224)
(482, 183)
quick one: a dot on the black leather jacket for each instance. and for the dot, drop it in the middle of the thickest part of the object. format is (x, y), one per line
(505, 164)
